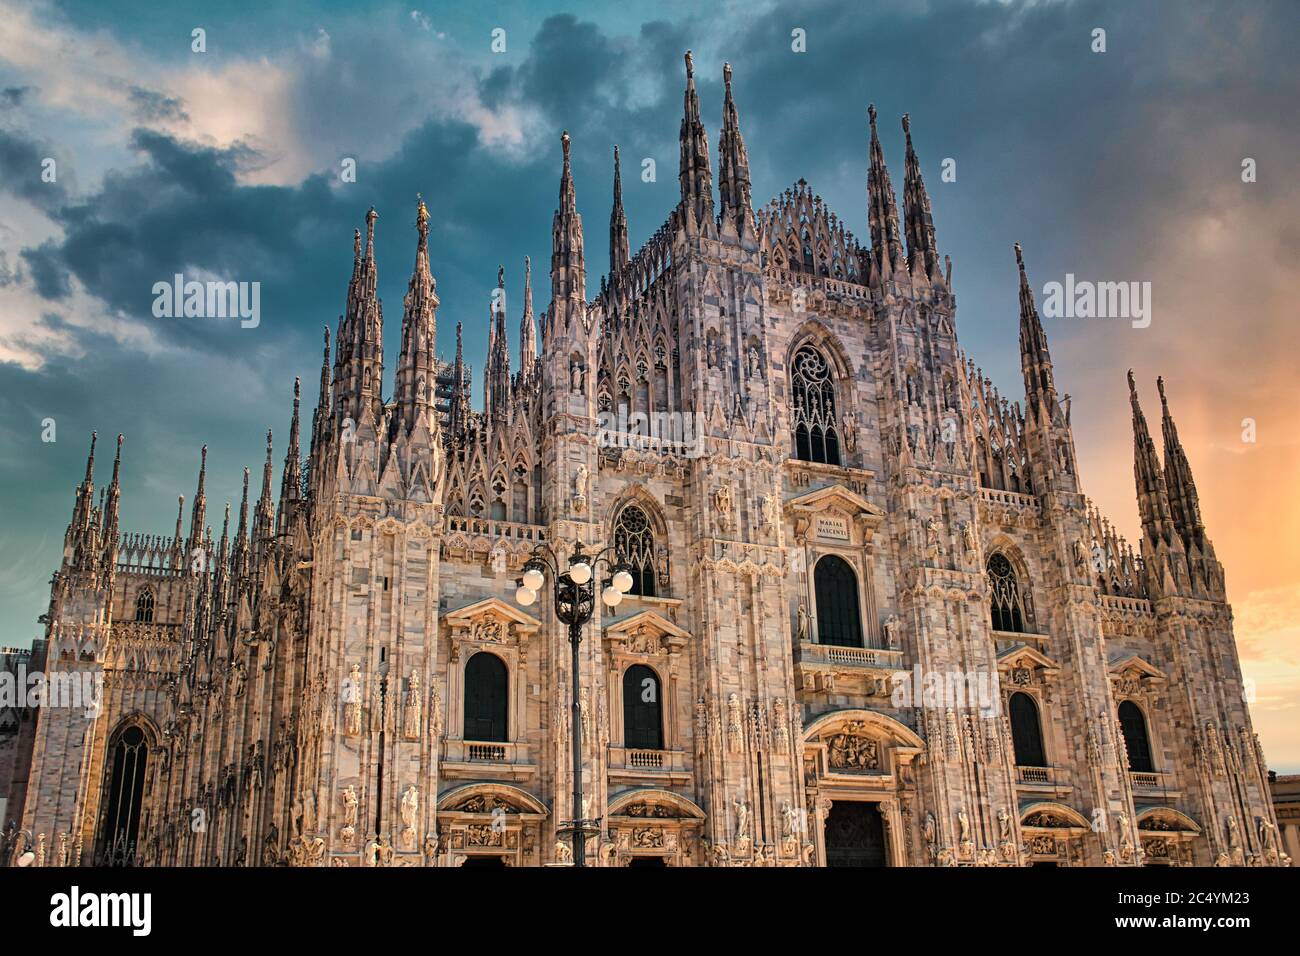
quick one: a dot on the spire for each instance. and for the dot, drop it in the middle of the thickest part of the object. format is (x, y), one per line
(695, 175)
(417, 366)
(528, 326)
(321, 415)
(111, 509)
(1035, 359)
(264, 512)
(619, 252)
(568, 266)
(922, 251)
(1153, 499)
(241, 531)
(359, 358)
(198, 514)
(291, 477)
(733, 164)
(882, 209)
(1184, 502)
(497, 372)
(78, 539)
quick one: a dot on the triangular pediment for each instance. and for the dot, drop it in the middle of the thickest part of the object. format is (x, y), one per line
(647, 624)
(492, 608)
(1020, 655)
(1127, 661)
(837, 497)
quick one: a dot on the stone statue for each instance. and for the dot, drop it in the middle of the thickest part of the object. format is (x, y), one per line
(414, 706)
(576, 375)
(348, 832)
(435, 716)
(563, 852)
(352, 702)
(772, 511)
(803, 624)
(968, 538)
(891, 632)
(963, 826)
(1004, 824)
(755, 366)
(742, 822)
(580, 479)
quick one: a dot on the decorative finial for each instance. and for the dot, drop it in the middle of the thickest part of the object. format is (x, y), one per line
(501, 277)
(907, 125)
(371, 216)
(421, 219)
(1020, 259)
(564, 144)
(690, 65)
(1132, 385)
(871, 115)
(356, 243)
(726, 74)
(1160, 386)
(297, 389)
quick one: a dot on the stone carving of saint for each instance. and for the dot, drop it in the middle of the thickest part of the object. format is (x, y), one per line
(410, 812)
(755, 371)
(891, 627)
(803, 624)
(1234, 837)
(712, 348)
(435, 716)
(349, 830)
(968, 538)
(742, 820)
(789, 822)
(576, 376)
(580, 479)
(930, 831)
(963, 826)
(932, 535)
(414, 706)
(1004, 824)
(352, 702)
(772, 511)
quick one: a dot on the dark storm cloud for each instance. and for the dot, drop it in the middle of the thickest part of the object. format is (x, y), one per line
(152, 106)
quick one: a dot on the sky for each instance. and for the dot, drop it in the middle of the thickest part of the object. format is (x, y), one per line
(1122, 165)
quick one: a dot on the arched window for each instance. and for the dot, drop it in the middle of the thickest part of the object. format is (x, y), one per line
(125, 795)
(144, 606)
(838, 618)
(816, 428)
(642, 709)
(1134, 727)
(634, 544)
(1007, 601)
(1026, 732)
(486, 684)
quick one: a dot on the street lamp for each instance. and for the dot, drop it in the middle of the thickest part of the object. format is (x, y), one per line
(575, 602)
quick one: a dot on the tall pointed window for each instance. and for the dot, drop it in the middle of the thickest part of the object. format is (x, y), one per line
(1134, 727)
(1007, 601)
(144, 606)
(1026, 732)
(816, 429)
(486, 686)
(125, 795)
(642, 709)
(838, 618)
(634, 544)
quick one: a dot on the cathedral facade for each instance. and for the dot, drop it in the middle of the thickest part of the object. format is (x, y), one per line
(874, 619)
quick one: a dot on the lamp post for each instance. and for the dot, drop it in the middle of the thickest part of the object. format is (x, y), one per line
(575, 603)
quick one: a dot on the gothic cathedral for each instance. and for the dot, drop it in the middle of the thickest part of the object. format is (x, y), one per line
(873, 619)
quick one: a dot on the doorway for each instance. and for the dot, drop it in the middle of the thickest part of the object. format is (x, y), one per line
(855, 835)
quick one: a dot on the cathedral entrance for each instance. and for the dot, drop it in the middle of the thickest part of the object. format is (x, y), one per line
(488, 861)
(854, 835)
